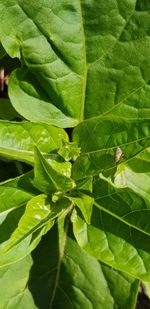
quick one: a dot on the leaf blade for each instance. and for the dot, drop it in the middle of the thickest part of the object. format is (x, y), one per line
(52, 176)
(39, 211)
(17, 140)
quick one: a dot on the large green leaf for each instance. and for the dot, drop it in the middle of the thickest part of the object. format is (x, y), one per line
(23, 87)
(113, 242)
(61, 76)
(39, 212)
(17, 140)
(96, 66)
(30, 283)
(75, 279)
(124, 204)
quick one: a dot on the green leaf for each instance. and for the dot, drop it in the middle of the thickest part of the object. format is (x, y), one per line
(85, 204)
(94, 73)
(17, 140)
(69, 151)
(51, 176)
(39, 211)
(96, 66)
(22, 84)
(125, 295)
(85, 185)
(76, 279)
(115, 243)
(61, 70)
(14, 290)
(124, 204)
(16, 192)
(99, 140)
(8, 224)
(29, 282)
(134, 174)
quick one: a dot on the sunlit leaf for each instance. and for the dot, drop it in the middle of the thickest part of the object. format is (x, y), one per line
(51, 176)
(17, 140)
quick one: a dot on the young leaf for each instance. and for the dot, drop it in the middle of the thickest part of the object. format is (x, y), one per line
(52, 176)
(85, 204)
(17, 140)
(69, 151)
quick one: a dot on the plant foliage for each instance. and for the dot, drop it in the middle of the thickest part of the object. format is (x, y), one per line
(74, 222)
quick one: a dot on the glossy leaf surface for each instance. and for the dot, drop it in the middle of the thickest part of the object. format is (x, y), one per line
(51, 176)
(17, 140)
(85, 204)
(39, 211)
(14, 194)
(8, 225)
(135, 174)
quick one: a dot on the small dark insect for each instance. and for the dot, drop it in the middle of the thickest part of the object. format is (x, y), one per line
(118, 154)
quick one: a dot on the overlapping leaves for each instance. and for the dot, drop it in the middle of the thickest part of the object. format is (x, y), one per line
(17, 140)
(97, 65)
(94, 75)
(32, 281)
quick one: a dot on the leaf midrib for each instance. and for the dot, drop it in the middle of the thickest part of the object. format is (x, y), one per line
(85, 63)
(120, 219)
(59, 262)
